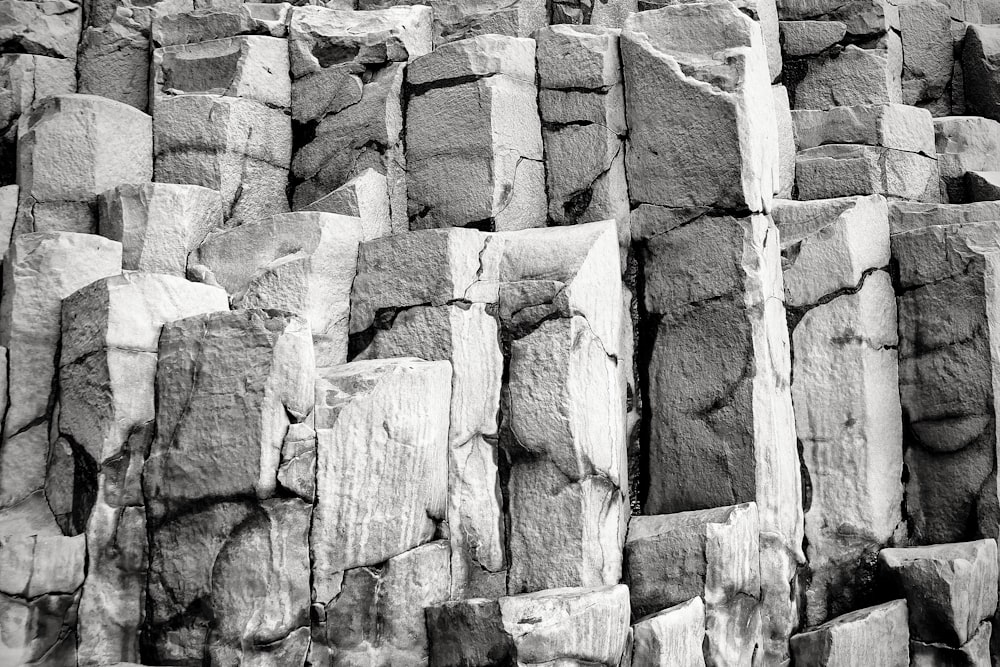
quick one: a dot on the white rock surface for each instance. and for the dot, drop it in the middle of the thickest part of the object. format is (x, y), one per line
(672, 637)
(875, 635)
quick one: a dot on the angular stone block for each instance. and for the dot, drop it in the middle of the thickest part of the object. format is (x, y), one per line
(905, 215)
(40, 27)
(964, 144)
(203, 25)
(468, 633)
(980, 51)
(712, 554)
(253, 67)
(460, 19)
(378, 614)
(974, 653)
(303, 263)
(950, 589)
(854, 76)
(896, 126)
(982, 186)
(366, 196)
(841, 170)
(382, 464)
(858, 18)
(701, 67)
(474, 148)
(809, 38)
(573, 625)
(234, 145)
(8, 215)
(672, 637)
(875, 635)
(71, 148)
(925, 28)
(587, 12)
(158, 224)
(946, 285)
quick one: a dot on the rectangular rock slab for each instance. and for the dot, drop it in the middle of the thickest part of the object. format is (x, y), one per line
(712, 554)
(158, 224)
(897, 126)
(950, 589)
(905, 215)
(841, 170)
(671, 638)
(365, 196)
(303, 263)
(382, 465)
(460, 19)
(964, 144)
(876, 635)
(728, 159)
(856, 76)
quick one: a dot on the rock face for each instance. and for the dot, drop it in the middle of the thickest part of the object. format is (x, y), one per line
(964, 144)
(673, 636)
(979, 55)
(712, 554)
(945, 322)
(878, 635)
(460, 19)
(299, 262)
(473, 139)
(842, 312)
(211, 491)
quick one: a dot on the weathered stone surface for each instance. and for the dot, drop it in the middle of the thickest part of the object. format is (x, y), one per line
(982, 186)
(974, 653)
(378, 616)
(36, 565)
(482, 56)
(254, 67)
(366, 196)
(8, 215)
(810, 38)
(702, 67)
(272, 16)
(672, 637)
(965, 143)
(608, 14)
(876, 635)
(905, 215)
(712, 554)
(460, 19)
(950, 589)
(203, 25)
(42, 27)
(572, 625)
(158, 224)
(582, 107)
(382, 465)
(850, 77)
(786, 143)
(71, 148)
(896, 126)
(861, 18)
(302, 263)
(841, 170)
(474, 148)
(925, 28)
(234, 145)
(40, 270)
(946, 300)
(468, 633)
(718, 372)
(979, 55)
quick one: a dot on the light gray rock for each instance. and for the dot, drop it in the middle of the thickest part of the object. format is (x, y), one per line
(482, 56)
(40, 27)
(377, 423)
(786, 143)
(974, 653)
(982, 186)
(862, 18)
(234, 145)
(573, 625)
(925, 28)
(875, 635)
(702, 67)
(979, 54)
(672, 637)
(895, 126)
(855, 76)
(8, 215)
(366, 196)
(945, 322)
(460, 19)
(711, 554)
(254, 67)
(71, 148)
(964, 144)
(474, 148)
(810, 38)
(158, 224)
(610, 14)
(905, 215)
(841, 170)
(202, 25)
(950, 589)
(303, 263)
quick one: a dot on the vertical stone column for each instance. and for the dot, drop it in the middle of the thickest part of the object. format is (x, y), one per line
(842, 316)
(107, 371)
(719, 428)
(473, 138)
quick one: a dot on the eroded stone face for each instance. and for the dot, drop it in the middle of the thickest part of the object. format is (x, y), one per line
(673, 636)
(40, 27)
(876, 634)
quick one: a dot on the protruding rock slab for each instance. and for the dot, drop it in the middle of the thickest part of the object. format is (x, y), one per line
(382, 464)
(852, 76)
(672, 637)
(303, 263)
(974, 653)
(712, 554)
(896, 126)
(158, 224)
(40, 27)
(980, 52)
(906, 215)
(964, 144)
(609, 14)
(842, 170)
(474, 147)
(71, 148)
(460, 19)
(950, 589)
(702, 67)
(876, 635)
(365, 196)
(982, 186)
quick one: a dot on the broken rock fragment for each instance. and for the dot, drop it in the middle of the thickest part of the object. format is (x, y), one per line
(875, 635)
(468, 632)
(460, 19)
(964, 144)
(366, 196)
(40, 27)
(979, 55)
(672, 637)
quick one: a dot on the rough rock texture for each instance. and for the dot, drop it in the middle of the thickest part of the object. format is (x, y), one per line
(366, 196)
(703, 67)
(896, 126)
(468, 633)
(672, 637)
(473, 138)
(40, 27)
(905, 216)
(460, 19)
(842, 170)
(712, 554)
(231, 144)
(950, 589)
(71, 148)
(842, 315)
(974, 653)
(40, 270)
(964, 144)
(982, 186)
(979, 55)
(875, 635)
(211, 488)
(158, 224)
(849, 77)
(928, 42)
(946, 279)
(606, 13)
(786, 142)
(302, 263)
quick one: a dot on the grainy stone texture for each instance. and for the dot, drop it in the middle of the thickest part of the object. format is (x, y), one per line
(979, 54)
(460, 19)
(875, 635)
(672, 637)
(964, 144)
(366, 196)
